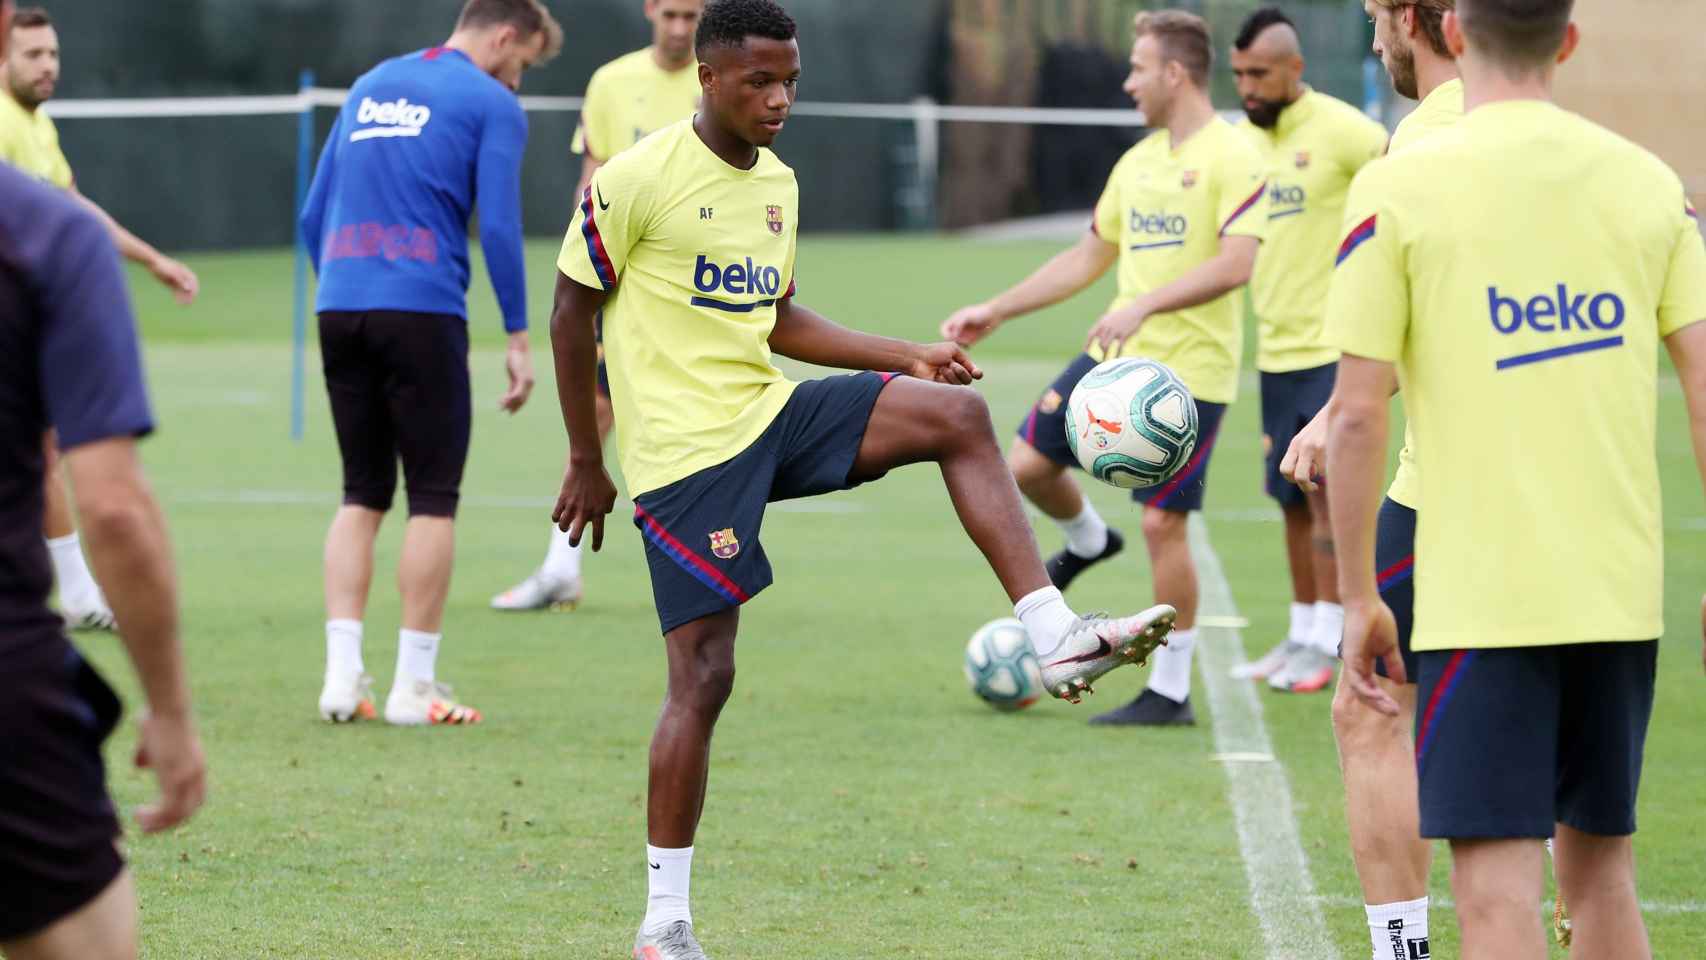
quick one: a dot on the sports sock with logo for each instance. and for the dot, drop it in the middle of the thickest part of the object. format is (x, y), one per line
(1171, 675)
(1086, 534)
(1399, 931)
(1046, 617)
(668, 875)
(417, 655)
(562, 561)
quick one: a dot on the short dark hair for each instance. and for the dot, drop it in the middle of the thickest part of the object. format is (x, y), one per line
(1183, 37)
(1258, 21)
(528, 17)
(1519, 33)
(1431, 15)
(727, 23)
(25, 18)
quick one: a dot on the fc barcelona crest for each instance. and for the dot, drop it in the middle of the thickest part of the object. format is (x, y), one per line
(1189, 180)
(773, 217)
(1303, 159)
(724, 546)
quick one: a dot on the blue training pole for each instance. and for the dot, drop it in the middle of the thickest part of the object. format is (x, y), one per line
(299, 320)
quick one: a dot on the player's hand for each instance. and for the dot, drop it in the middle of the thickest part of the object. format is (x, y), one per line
(1114, 329)
(587, 497)
(169, 746)
(1371, 634)
(970, 324)
(518, 363)
(179, 279)
(1305, 461)
(943, 363)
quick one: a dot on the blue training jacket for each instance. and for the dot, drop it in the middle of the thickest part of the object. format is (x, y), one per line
(421, 138)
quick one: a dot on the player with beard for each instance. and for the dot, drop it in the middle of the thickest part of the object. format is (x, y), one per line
(686, 241)
(1314, 145)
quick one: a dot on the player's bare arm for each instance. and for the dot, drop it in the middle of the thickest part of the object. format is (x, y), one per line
(1210, 280)
(803, 334)
(176, 277)
(1688, 353)
(126, 537)
(588, 495)
(1067, 274)
(1356, 453)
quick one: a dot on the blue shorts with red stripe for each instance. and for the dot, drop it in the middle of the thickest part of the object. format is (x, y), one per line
(1510, 741)
(1044, 429)
(702, 532)
(1394, 570)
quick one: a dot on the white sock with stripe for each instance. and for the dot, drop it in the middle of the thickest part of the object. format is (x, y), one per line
(1399, 930)
(669, 873)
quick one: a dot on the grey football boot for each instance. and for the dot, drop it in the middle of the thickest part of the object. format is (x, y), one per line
(674, 942)
(1098, 644)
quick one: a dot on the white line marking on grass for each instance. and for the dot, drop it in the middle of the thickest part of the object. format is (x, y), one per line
(322, 498)
(1446, 903)
(1281, 892)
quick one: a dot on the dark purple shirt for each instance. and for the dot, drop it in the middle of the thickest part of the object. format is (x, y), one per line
(69, 360)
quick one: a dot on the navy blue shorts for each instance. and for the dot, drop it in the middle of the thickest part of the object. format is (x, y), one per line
(1289, 401)
(1044, 429)
(1395, 568)
(702, 532)
(1509, 741)
(57, 822)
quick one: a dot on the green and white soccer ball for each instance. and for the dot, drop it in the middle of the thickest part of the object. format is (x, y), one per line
(1132, 422)
(1001, 668)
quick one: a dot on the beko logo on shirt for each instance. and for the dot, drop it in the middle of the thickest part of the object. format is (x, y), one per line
(394, 118)
(736, 278)
(1286, 200)
(1546, 313)
(1158, 224)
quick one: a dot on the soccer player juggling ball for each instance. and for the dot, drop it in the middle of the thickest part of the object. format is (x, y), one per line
(686, 241)
(1527, 352)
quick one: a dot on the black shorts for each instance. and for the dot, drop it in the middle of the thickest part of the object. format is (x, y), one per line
(1289, 401)
(399, 388)
(57, 822)
(1395, 568)
(1044, 430)
(1509, 741)
(702, 532)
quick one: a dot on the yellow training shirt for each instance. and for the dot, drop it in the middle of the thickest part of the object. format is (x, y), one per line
(1167, 209)
(630, 97)
(1312, 153)
(695, 255)
(1441, 109)
(1527, 349)
(30, 142)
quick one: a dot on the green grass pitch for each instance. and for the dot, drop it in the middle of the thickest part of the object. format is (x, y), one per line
(863, 804)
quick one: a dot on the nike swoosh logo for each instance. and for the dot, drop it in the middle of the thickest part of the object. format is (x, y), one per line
(601, 204)
(655, 866)
(1102, 650)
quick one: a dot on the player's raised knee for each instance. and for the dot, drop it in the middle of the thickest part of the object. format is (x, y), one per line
(1163, 524)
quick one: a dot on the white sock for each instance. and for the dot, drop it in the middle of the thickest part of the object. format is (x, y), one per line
(668, 875)
(417, 655)
(1047, 619)
(1086, 534)
(562, 562)
(1302, 620)
(1399, 929)
(1171, 675)
(343, 646)
(1328, 628)
(70, 571)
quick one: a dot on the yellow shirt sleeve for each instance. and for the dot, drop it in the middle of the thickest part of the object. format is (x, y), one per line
(1110, 209)
(1368, 304)
(610, 220)
(1365, 142)
(1242, 183)
(1684, 300)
